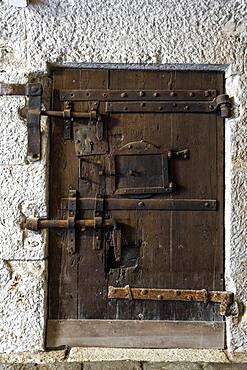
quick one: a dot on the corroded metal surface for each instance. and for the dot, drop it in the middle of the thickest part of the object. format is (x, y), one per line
(224, 298)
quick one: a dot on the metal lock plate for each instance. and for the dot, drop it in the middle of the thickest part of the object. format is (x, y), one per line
(87, 141)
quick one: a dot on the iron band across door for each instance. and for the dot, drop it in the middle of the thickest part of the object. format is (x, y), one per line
(117, 101)
(117, 204)
(225, 299)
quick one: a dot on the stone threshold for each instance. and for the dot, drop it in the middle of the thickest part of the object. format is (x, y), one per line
(122, 355)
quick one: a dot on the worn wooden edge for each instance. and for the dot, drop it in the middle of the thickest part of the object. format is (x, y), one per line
(136, 334)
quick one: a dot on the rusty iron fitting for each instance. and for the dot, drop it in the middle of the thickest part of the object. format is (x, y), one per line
(32, 223)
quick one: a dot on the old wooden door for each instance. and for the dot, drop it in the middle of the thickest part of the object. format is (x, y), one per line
(140, 156)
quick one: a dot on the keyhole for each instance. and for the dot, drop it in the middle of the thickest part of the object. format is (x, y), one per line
(91, 145)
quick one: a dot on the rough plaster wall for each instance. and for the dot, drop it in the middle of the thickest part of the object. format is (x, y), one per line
(117, 31)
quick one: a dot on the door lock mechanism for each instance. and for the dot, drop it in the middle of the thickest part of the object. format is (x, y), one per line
(97, 223)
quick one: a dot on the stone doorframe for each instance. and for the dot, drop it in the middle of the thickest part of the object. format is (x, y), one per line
(24, 282)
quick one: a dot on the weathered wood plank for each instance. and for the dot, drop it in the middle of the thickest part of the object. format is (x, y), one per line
(135, 334)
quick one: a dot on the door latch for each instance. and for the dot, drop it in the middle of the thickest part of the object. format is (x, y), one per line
(72, 223)
(33, 91)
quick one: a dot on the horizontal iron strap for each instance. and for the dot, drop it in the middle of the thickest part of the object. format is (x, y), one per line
(51, 113)
(29, 89)
(38, 223)
(169, 294)
(146, 204)
(225, 299)
(127, 95)
(161, 107)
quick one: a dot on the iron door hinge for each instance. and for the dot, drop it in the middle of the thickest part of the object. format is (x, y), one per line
(149, 101)
(224, 298)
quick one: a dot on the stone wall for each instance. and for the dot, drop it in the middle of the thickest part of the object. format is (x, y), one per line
(116, 31)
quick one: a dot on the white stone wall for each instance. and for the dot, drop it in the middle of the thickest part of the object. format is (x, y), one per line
(116, 31)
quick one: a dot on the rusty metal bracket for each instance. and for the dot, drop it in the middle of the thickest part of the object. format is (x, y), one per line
(72, 208)
(224, 298)
(98, 219)
(34, 93)
(67, 132)
(223, 104)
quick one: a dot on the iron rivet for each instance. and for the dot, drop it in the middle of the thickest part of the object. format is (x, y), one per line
(206, 204)
(155, 94)
(160, 297)
(207, 93)
(104, 95)
(191, 93)
(187, 107)
(141, 204)
(33, 88)
(174, 104)
(169, 154)
(141, 93)
(144, 291)
(124, 94)
(160, 108)
(211, 107)
(125, 108)
(171, 184)
(172, 93)
(130, 146)
(142, 104)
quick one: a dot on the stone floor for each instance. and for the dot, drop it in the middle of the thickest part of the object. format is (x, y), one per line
(124, 359)
(126, 365)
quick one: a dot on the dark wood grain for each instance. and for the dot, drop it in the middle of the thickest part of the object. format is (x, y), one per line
(159, 248)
